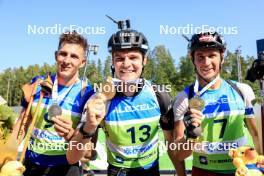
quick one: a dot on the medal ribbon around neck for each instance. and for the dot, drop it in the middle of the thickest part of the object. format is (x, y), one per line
(196, 86)
(55, 109)
(55, 96)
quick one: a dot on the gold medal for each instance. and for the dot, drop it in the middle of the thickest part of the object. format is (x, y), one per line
(196, 103)
(108, 89)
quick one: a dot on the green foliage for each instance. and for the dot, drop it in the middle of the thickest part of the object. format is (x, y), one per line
(100, 67)
(163, 68)
(149, 69)
(12, 80)
(107, 66)
(229, 71)
(93, 74)
(7, 119)
(186, 74)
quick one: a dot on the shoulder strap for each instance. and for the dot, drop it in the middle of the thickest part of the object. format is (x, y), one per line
(234, 86)
(153, 85)
(164, 100)
(191, 90)
(166, 109)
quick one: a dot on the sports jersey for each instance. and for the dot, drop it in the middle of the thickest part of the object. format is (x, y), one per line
(46, 147)
(223, 123)
(131, 128)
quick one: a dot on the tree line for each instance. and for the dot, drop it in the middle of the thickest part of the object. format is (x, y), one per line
(161, 69)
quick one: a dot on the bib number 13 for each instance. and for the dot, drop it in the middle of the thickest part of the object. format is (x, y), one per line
(142, 133)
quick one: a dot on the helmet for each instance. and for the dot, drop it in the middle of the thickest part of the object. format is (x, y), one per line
(206, 40)
(128, 39)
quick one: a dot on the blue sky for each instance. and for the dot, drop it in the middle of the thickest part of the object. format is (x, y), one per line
(20, 46)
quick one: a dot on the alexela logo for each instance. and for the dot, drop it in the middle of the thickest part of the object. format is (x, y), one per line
(140, 107)
(58, 29)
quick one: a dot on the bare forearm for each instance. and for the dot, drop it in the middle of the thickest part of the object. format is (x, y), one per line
(257, 145)
(77, 148)
(180, 168)
(178, 165)
(184, 149)
(252, 128)
(183, 154)
(95, 111)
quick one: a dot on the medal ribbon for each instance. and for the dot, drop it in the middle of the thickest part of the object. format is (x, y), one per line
(55, 96)
(196, 85)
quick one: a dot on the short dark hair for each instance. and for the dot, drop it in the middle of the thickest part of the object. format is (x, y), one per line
(73, 38)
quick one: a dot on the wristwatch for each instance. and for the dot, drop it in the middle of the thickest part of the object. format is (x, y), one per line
(86, 135)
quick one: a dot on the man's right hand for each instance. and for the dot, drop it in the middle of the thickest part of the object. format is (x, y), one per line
(95, 112)
(192, 122)
(196, 117)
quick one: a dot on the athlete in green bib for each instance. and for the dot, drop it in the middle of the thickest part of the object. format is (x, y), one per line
(131, 119)
(46, 152)
(213, 110)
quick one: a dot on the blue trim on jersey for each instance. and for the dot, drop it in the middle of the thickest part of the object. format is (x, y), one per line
(46, 160)
(249, 111)
(156, 162)
(141, 106)
(223, 99)
(73, 102)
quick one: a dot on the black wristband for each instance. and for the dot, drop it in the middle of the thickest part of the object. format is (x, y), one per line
(86, 135)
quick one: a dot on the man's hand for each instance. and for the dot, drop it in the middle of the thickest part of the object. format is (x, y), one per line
(95, 112)
(192, 122)
(63, 127)
(89, 155)
(196, 117)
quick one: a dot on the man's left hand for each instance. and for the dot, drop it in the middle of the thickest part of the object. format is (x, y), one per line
(63, 127)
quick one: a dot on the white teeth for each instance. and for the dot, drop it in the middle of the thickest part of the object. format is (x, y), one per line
(127, 71)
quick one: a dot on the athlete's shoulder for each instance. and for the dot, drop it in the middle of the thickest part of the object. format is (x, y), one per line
(245, 90)
(243, 86)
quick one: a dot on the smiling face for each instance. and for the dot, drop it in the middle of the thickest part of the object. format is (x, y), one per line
(208, 63)
(128, 64)
(70, 58)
